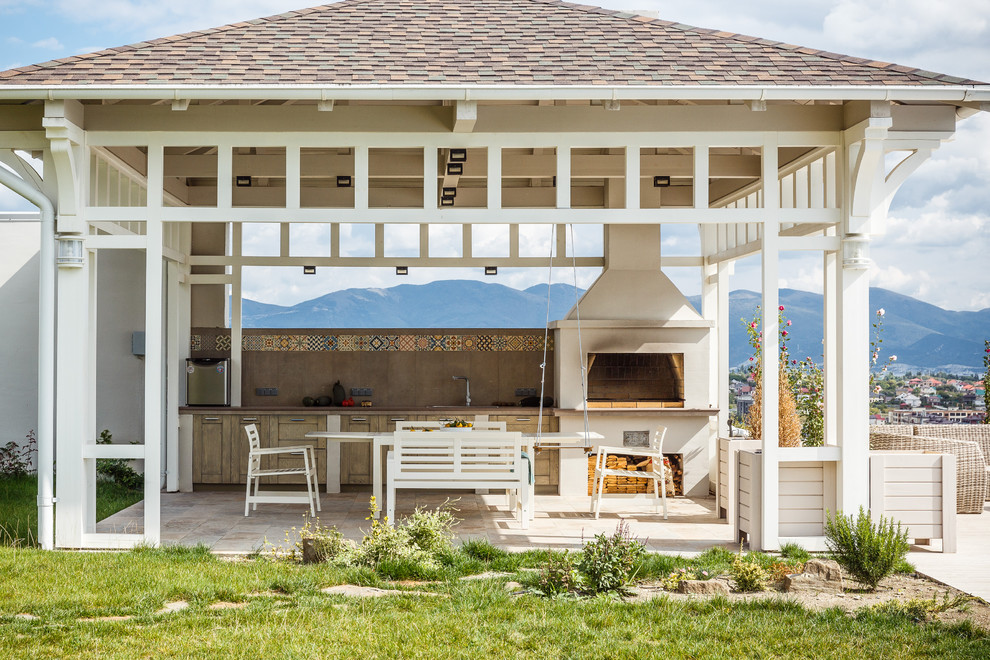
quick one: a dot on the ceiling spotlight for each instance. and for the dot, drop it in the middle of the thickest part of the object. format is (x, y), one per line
(243, 181)
(458, 155)
(446, 201)
(449, 192)
(491, 270)
(402, 270)
(661, 181)
(309, 270)
(343, 181)
(455, 169)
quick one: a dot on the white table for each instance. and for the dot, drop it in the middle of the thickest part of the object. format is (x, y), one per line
(381, 441)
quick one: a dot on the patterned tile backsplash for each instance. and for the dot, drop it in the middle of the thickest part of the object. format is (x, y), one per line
(220, 341)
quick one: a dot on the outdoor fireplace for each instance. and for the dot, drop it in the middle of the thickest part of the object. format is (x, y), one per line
(630, 380)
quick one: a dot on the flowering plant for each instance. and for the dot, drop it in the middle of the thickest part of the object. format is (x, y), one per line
(809, 380)
(875, 353)
(986, 381)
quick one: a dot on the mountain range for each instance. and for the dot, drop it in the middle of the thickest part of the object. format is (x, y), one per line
(921, 335)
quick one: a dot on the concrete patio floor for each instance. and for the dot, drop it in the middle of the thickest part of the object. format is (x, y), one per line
(216, 518)
(967, 569)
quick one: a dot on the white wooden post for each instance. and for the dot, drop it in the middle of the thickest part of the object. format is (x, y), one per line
(153, 349)
(236, 327)
(830, 270)
(854, 373)
(771, 357)
(173, 361)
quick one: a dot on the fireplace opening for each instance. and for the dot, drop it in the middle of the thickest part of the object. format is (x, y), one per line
(654, 380)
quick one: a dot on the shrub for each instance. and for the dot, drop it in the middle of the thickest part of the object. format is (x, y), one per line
(920, 610)
(117, 470)
(607, 562)
(558, 576)
(15, 461)
(869, 552)
(329, 545)
(431, 531)
(748, 574)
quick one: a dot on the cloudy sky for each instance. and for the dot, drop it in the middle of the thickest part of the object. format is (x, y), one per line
(938, 239)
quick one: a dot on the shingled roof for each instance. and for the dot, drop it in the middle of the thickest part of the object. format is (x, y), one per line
(465, 42)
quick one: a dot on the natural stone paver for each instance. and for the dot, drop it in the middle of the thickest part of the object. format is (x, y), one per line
(487, 575)
(26, 617)
(176, 606)
(819, 575)
(371, 592)
(706, 587)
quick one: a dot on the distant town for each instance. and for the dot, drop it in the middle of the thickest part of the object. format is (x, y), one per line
(908, 399)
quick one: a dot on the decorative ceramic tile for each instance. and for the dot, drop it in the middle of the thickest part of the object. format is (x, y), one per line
(220, 341)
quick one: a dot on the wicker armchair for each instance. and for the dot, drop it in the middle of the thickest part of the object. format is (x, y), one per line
(978, 433)
(898, 429)
(971, 473)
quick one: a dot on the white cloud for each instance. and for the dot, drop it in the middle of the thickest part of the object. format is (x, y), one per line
(51, 43)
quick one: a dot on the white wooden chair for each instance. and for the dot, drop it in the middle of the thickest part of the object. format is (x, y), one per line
(657, 472)
(256, 473)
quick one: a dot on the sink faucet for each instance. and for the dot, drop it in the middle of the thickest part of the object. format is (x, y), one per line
(467, 383)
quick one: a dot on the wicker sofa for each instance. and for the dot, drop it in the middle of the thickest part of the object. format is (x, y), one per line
(978, 433)
(971, 471)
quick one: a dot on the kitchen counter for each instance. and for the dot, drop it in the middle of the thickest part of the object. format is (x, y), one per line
(358, 410)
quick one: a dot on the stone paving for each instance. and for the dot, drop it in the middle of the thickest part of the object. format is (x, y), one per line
(216, 518)
(967, 569)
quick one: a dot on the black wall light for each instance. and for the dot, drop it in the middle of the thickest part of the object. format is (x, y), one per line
(455, 169)
(661, 181)
(343, 181)
(402, 270)
(449, 192)
(446, 201)
(309, 270)
(458, 155)
(491, 270)
(243, 181)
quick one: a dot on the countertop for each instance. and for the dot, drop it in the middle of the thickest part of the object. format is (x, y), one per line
(358, 410)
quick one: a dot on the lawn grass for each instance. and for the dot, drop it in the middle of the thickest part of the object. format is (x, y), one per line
(288, 616)
(19, 507)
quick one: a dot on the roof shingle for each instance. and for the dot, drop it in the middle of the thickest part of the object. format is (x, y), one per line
(511, 42)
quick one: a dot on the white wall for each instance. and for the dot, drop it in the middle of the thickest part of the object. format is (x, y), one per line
(119, 374)
(19, 245)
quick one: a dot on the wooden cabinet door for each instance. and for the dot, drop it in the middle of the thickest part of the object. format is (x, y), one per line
(240, 447)
(355, 457)
(291, 430)
(208, 449)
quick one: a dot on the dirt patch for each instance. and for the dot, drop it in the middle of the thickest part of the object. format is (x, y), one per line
(901, 587)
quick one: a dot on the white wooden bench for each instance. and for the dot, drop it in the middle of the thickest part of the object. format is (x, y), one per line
(460, 460)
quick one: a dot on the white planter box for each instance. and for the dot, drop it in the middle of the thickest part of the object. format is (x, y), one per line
(918, 490)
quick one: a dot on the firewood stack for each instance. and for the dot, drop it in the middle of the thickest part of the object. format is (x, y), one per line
(632, 485)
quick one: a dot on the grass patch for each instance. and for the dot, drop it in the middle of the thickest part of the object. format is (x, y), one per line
(19, 506)
(286, 615)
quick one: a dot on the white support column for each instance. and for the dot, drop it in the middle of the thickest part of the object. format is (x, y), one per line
(153, 354)
(361, 184)
(72, 383)
(236, 325)
(722, 337)
(632, 177)
(709, 310)
(771, 358)
(430, 164)
(494, 177)
(700, 176)
(183, 325)
(92, 331)
(563, 177)
(854, 373)
(173, 362)
(292, 176)
(830, 332)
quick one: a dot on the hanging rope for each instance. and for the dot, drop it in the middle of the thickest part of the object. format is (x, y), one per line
(584, 369)
(546, 336)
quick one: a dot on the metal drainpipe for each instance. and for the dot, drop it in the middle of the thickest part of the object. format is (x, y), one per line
(46, 355)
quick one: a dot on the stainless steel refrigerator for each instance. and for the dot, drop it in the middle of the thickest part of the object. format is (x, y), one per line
(208, 382)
